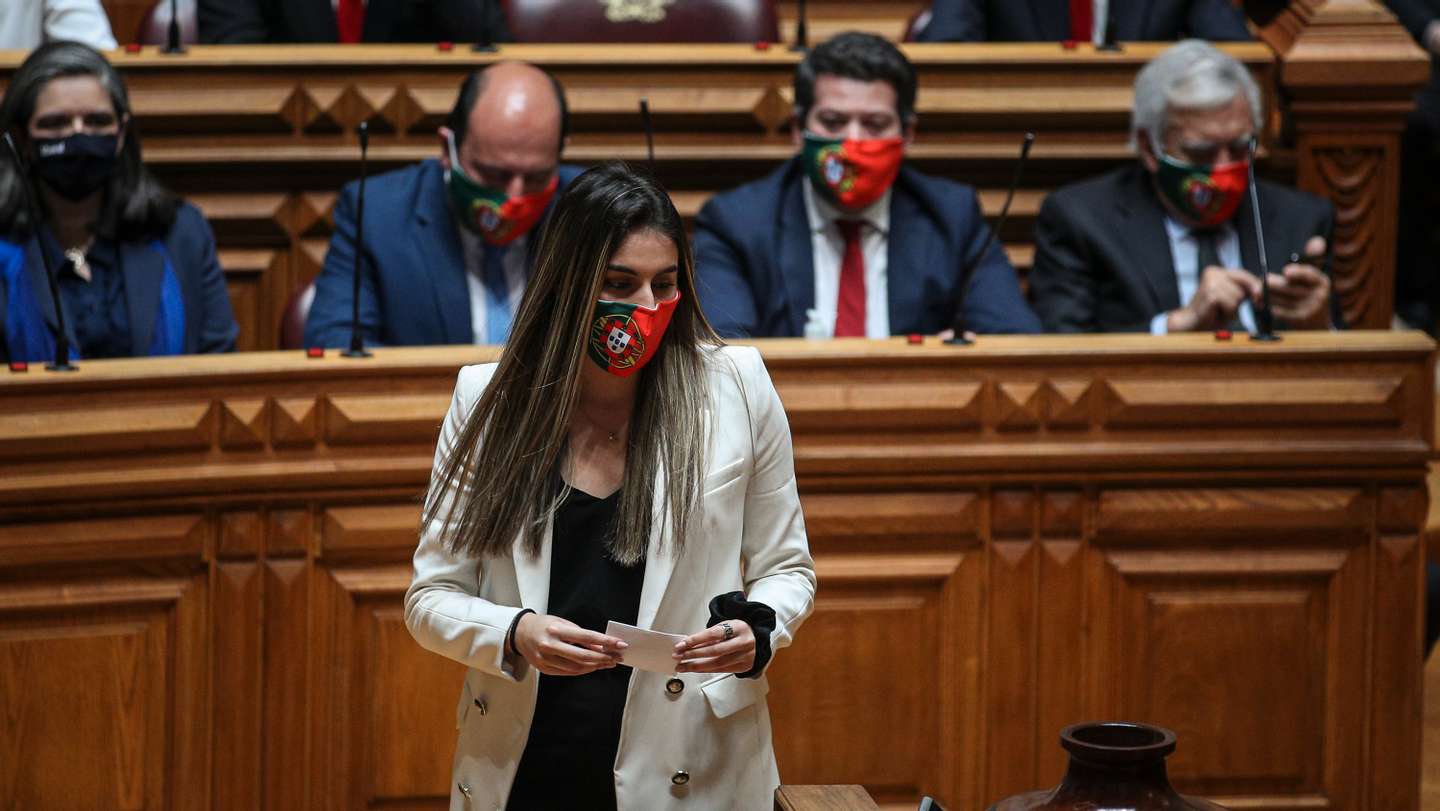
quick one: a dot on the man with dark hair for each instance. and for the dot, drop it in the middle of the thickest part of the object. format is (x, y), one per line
(241, 22)
(448, 242)
(1096, 21)
(843, 239)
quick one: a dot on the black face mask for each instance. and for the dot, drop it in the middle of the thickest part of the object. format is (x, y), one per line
(78, 166)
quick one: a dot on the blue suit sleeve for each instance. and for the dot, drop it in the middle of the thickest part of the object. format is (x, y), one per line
(993, 301)
(328, 323)
(218, 330)
(1217, 21)
(955, 21)
(721, 277)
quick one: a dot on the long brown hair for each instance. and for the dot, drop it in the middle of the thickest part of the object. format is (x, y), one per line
(505, 462)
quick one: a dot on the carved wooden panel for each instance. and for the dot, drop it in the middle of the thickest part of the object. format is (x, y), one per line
(106, 694)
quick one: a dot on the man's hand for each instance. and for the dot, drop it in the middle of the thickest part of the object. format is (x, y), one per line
(1217, 298)
(1301, 296)
(1432, 37)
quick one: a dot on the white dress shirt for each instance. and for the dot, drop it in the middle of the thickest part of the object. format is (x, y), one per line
(27, 24)
(1185, 252)
(827, 246)
(515, 262)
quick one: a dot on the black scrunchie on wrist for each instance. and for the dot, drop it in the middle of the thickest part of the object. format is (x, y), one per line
(759, 616)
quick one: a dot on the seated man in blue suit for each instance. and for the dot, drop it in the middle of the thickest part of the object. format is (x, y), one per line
(447, 242)
(1096, 21)
(844, 239)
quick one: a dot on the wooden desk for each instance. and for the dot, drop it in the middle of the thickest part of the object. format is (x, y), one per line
(262, 137)
(202, 561)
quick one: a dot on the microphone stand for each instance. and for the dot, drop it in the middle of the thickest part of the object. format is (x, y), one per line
(649, 132)
(357, 341)
(1265, 319)
(61, 363)
(486, 43)
(802, 35)
(172, 39)
(958, 325)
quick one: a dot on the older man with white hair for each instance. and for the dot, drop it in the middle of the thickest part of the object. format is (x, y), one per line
(1168, 244)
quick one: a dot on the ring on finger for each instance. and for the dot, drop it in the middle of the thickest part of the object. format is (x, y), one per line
(729, 631)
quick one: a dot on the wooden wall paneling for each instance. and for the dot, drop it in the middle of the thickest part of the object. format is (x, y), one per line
(237, 586)
(874, 604)
(107, 695)
(1062, 626)
(1397, 630)
(1010, 653)
(1258, 607)
(291, 628)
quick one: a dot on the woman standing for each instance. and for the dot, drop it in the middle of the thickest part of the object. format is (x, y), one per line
(615, 464)
(136, 266)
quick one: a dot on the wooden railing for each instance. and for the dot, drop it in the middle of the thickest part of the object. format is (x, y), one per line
(202, 561)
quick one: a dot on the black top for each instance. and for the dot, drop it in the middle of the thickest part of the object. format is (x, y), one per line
(569, 760)
(96, 311)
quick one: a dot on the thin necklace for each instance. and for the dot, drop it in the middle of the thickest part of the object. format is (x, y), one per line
(612, 435)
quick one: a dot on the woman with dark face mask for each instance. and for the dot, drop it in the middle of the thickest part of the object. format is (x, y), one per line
(137, 269)
(617, 465)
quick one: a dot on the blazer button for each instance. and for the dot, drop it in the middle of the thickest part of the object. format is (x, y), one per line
(464, 789)
(675, 687)
(680, 778)
(480, 705)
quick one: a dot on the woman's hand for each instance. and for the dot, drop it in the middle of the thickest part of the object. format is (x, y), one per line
(558, 647)
(710, 652)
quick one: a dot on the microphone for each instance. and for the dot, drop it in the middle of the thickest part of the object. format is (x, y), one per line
(62, 339)
(802, 37)
(172, 39)
(1265, 318)
(649, 132)
(486, 43)
(357, 341)
(958, 325)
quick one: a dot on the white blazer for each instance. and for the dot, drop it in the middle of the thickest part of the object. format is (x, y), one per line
(750, 537)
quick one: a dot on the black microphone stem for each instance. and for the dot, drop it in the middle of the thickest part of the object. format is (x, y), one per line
(487, 38)
(649, 132)
(357, 339)
(958, 326)
(62, 338)
(172, 43)
(802, 36)
(1265, 319)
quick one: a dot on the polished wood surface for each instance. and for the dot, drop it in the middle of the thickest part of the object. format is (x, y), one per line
(262, 137)
(823, 798)
(202, 562)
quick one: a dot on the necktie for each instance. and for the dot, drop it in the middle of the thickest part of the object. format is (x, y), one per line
(497, 295)
(350, 19)
(850, 308)
(1082, 20)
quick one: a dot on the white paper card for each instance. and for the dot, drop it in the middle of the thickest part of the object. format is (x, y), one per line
(649, 650)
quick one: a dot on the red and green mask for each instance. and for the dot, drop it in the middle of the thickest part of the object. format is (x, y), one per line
(1205, 195)
(498, 218)
(624, 337)
(852, 173)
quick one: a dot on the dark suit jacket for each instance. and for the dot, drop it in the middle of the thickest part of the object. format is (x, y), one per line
(1049, 21)
(755, 266)
(1102, 256)
(412, 286)
(234, 22)
(190, 247)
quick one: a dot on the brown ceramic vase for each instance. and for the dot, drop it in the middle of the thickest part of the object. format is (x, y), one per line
(1112, 765)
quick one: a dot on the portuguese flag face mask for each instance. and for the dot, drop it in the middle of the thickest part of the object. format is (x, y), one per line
(852, 173)
(498, 218)
(624, 337)
(1205, 195)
